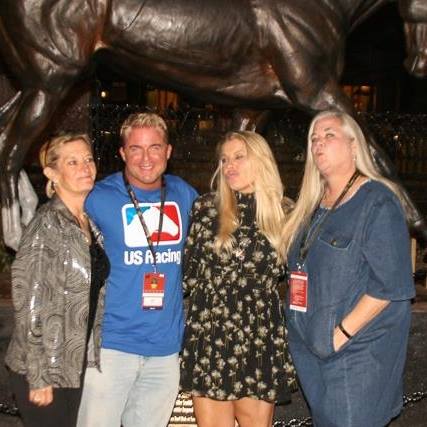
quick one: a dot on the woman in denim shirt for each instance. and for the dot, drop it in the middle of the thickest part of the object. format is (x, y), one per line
(348, 306)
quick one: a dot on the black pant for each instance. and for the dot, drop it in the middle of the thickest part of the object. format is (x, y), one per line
(61, 412)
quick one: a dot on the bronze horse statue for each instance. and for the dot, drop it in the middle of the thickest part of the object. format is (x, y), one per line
(248, 54)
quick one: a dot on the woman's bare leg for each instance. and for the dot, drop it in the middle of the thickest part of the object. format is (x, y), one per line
(213, 413)
(253, 413)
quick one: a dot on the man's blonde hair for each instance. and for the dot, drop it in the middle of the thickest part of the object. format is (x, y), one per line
(141, 120)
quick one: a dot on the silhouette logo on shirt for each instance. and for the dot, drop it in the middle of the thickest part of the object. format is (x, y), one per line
(134, 233)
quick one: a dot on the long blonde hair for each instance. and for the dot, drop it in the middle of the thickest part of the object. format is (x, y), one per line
(49, 153)
(268, 193)
(313, 184)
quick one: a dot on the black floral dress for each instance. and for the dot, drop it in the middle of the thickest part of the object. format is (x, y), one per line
(235, 337)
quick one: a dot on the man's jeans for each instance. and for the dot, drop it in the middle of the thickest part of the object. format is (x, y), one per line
(131, 390)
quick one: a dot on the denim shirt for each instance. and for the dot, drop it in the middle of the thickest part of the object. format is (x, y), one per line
(363, 248)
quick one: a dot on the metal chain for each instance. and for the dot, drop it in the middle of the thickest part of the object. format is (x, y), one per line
(294, 422)
(416, 396)
(9, 409)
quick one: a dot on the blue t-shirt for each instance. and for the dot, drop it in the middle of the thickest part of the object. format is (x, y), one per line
(127, 326)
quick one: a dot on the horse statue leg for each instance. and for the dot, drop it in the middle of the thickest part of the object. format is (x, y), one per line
(24, 118)
(46, 53)
(309, 74)
(27, 197)
(252, 120)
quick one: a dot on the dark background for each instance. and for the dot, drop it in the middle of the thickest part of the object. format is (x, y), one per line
(375, 55)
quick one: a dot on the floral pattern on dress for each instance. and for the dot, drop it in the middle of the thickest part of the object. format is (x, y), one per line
(235, 336)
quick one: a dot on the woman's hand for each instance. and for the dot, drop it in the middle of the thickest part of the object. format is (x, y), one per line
(339, 338)
(365, 310)
(42, 396)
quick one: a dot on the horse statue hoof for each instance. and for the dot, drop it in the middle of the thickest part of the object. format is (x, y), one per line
(12, 230)
(28, 199)
(418, 230)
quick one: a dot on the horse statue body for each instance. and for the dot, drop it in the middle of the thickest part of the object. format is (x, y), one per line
(252, 55)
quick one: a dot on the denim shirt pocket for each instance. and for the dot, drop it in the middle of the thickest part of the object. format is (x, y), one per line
(335, 240)
(336, 265)
(319, 333)
(317, 330)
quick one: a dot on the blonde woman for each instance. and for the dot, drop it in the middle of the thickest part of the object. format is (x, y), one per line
(56, 280)
(348, 308)
(235, 359)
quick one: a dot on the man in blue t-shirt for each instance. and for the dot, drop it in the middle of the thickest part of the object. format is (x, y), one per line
(143, 215)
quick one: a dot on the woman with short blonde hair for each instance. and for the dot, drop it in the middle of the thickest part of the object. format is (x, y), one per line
(57, 280)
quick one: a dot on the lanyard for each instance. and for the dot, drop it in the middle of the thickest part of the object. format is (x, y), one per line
(141, 216)
(307, 240)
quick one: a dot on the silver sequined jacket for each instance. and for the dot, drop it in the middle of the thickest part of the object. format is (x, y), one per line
(51, 280)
